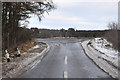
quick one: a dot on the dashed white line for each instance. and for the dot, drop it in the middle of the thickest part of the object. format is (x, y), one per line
(65, 74)
(65, 59)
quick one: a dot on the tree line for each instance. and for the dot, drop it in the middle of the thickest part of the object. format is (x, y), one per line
(13, 13)
(71, 32)
(112, 34)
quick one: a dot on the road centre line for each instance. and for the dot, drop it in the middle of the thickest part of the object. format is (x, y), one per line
(65, 59)
(65, 74)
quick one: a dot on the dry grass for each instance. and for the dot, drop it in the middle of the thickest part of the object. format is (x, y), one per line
(23, 47)
(27, 45)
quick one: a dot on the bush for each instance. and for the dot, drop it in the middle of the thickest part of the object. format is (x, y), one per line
(113, 35)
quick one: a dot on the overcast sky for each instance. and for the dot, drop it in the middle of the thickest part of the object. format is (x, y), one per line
(79, 14)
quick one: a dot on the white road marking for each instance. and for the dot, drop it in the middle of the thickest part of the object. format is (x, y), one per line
(65, 74)
(35, 64)
(65, 59)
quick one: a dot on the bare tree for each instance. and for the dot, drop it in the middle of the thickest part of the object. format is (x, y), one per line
(113, 34)
(113, 25)
(14, 12)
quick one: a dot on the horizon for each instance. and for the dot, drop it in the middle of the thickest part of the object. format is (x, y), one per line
(66, 29)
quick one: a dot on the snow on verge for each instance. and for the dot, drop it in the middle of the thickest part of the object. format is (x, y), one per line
(96, 57)
(107, 52)
(27, 61)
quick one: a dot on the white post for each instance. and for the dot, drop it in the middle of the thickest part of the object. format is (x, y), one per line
(18, 51)
(7, 56)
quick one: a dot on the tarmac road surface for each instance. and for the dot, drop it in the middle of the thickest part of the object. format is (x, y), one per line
(66, 59)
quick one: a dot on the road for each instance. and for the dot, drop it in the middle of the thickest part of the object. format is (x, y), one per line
(66, 59)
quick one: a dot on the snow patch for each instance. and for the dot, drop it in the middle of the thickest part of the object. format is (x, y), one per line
(107, 52)
(35, 47)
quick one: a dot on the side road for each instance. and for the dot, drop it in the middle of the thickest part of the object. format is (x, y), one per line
(27, 60)
(95, 56)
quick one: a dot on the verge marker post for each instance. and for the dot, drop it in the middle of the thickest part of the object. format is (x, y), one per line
(7, 56)
(18, 52)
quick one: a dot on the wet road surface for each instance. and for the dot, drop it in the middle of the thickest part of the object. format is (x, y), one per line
(66, 59)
